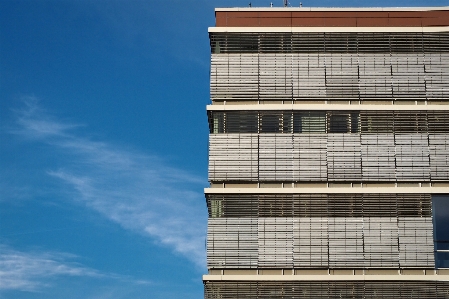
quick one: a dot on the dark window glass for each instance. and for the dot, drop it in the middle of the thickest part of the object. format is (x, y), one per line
(287, 122)
(338, 123)
(270, 123)
(241, 122)
(441, 259)
(440, 211)
(376, 122)
(442, 246)
(328, 42)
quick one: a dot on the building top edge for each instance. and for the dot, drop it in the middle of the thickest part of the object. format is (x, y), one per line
(331, 8)
(327, 29)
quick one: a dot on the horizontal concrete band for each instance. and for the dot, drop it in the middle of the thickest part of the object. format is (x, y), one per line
(326, 29)
(325, 277)
(354, 190)
(310, 107)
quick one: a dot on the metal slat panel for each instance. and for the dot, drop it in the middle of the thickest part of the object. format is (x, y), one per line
(416, 242)
(311, 242)
(312, 156)
(380, 237)
(361, 66)
(345, 242)
(378, 157)
(275, 239)
(276, 157)
(344, 162)
(313, 289)
(290, 146)
(412, 157)
(232, 243)
(320, 230)
(439, 157)
(233, 157)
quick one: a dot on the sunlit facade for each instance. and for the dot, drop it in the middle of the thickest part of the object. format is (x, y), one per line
(328, 153)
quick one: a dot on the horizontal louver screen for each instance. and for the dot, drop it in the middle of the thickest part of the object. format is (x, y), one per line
(320, 242)
(326, 289)
(329, 42)
(318, 205)
(330, 76)
(333, 157)
(372, 122)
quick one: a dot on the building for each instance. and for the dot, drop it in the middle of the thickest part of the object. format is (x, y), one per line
(328, 153)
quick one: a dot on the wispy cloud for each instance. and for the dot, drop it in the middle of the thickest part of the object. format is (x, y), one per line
(40, 127)
(30, 271)
(140, 192)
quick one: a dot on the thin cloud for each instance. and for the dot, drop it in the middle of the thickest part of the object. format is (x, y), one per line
(30, 271)
(38, 127)
(140, 192)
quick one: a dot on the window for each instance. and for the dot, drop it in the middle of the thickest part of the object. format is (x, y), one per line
(311, 122)
(216, 123)
(276, 122)
(270, 123)
(440, 211)
(216, 208)
(343, 122)
(292, 122)
(241, 122)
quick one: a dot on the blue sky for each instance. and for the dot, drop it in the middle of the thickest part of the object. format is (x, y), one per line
(103, 145)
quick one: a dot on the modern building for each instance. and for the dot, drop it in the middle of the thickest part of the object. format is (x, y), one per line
(328, 153)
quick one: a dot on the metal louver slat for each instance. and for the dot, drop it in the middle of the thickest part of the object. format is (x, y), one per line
(326, 289)
(371, 68)
(320, 230)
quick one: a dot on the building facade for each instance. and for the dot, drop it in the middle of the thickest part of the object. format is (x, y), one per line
(328, 153)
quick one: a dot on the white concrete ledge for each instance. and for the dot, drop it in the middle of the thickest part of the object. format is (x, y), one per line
(326, 107)
(339, 190)
(324, 277)
(326, 29)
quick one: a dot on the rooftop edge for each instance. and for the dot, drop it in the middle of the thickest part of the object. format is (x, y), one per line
(332, 8)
